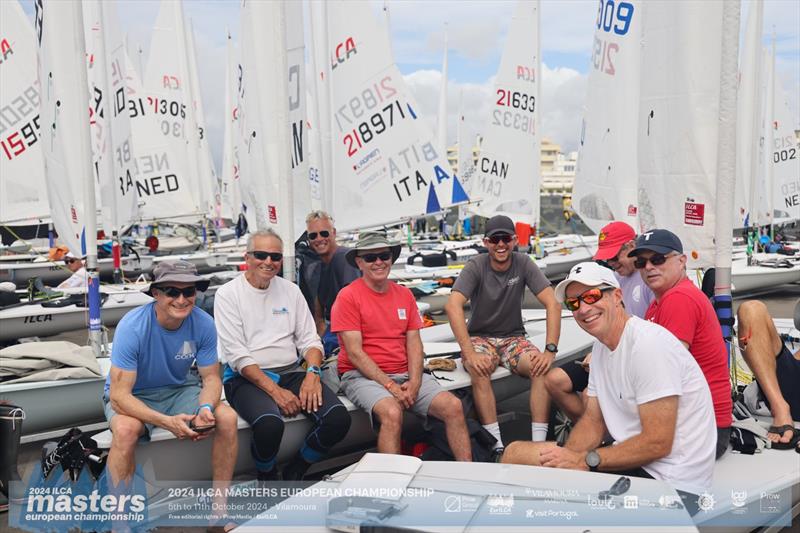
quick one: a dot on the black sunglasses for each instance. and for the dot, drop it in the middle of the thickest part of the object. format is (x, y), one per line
(495, 239)
(174, 292)
(591, 296)
(324, 234)
(69, 261)
(262, 256)
(655, 259)
(371, 258)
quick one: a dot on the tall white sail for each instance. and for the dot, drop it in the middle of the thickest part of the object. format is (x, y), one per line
(321, 112)
(170, 184)
(441, 125)
(295, 57)
(23, 193)
(678, 122)
(606, 179)
(206, 174)
(784, 155)
(113, 149)
(64, 116)
(230, 194)
(507, 179)
(386, 163)
(466, 164)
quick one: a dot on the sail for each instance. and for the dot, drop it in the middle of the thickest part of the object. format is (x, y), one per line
(64, 116)
(23, 193)
(784, 157)
(749, 119)
(678, 122)
(167, 164)
(606, 178)
(507, 178)
(230, 195)
(206, 175)
(320, 134)
(441, 125)
(112, 145)
(385, 160)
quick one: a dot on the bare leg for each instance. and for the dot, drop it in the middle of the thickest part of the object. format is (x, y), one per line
(223, 454)
(559, 386)
(760, 343)
(524, 452)
(447, 408)
(121, 458)
(539, 401)
(389, 413)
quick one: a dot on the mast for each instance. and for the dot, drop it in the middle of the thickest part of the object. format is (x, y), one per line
(771, 142)
(726, 165)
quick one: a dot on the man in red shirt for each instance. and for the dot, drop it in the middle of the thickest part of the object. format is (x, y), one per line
(381, 359)
(687, 313)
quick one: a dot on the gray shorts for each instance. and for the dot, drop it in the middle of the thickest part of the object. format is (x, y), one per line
(171, 400)
(365, 393)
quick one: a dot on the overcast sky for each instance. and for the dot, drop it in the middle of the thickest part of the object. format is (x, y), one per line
(476, 36)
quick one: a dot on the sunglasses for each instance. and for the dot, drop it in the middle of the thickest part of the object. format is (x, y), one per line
(591, 296)
(262, 256)
(174, 292)
(69, 261)
(495, 239)
(655, 260)
(371, 258)
(324, 234)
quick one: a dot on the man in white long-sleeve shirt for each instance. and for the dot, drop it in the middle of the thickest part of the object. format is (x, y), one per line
(263, 322)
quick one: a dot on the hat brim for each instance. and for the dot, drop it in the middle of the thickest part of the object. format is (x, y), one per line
(653, 248)
(350, 256)
(500, 231)
(561, 288)
(607, 252)
(201, 284)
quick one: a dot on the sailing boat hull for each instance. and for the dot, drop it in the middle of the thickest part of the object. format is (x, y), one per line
(52, 273)
(753, 278)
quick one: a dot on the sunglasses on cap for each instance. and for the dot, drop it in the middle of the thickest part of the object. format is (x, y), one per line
(324, 234)
(591, 296)
(371, 258)
(495, 239)
(262, 256)
(174, 292)
(655, 260)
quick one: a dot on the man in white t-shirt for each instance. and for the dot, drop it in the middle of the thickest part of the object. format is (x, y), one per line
(567, 385)
(79, 275)
(645, 389)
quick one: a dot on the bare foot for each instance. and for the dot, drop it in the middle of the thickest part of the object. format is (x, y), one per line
(781, 421)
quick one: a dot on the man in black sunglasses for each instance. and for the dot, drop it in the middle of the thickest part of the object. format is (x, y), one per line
(79, 276)
(687, 313)
(330, 275)
(494, 284)
(152, 384)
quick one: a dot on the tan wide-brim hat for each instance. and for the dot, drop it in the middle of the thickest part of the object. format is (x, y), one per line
(372, 240)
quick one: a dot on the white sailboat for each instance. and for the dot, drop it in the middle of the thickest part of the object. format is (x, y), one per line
(229, 189)
(441, 124)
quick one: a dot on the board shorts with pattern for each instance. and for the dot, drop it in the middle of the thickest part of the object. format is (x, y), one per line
(504, 350)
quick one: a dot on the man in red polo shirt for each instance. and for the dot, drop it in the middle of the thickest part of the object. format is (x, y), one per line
(687, 313)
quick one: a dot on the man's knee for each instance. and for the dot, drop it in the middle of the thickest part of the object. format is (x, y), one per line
(267, 434)
(751, 310)
(338, 421)
(226, 419)
(447, 407)
(389, 414)
(126, 431)
(557, 381)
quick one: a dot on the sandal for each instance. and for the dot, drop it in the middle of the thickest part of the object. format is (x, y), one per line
(780, 430)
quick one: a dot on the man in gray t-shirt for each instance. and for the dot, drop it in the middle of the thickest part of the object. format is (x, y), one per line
(494, 284)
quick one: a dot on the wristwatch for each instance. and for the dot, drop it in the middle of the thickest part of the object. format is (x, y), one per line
(314, 369)
(592, 460)
(550, 347)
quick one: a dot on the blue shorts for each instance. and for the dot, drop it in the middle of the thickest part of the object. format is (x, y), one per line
(170, 400)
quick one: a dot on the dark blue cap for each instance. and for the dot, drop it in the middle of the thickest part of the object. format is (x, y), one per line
(660, 241)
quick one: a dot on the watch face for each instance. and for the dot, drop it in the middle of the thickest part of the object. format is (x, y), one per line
(550, 347)
(592, 459)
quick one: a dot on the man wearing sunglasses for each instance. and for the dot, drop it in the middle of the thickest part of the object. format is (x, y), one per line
(79, 275)
(687, 313)
(614, 243)
(494, 284)
(645, 389)
(381, 359)
(151, 382)
(263, 324)
(334, 273)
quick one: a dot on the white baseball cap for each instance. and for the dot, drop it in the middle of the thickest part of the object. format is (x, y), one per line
(590, 274)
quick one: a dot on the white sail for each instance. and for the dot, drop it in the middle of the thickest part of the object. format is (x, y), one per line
(386, 162)
(466, 163)
(441, 125)
(207, 175)
(230, 194)
(784, 158)
(169, 168)
(109, 116)
(321, 117)
(23, 193)
(606, 179)
(64, 116)
(678, 127)
(507, 178)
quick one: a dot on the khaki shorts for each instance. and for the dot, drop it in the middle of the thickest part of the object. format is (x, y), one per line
(365, 393)
(505, 351)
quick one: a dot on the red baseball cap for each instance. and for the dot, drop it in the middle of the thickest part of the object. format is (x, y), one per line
(611, 238)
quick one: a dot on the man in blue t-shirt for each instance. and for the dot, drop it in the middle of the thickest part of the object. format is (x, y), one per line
(151, 382)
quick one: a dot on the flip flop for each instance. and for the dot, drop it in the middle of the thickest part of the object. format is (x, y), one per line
(780, 430)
